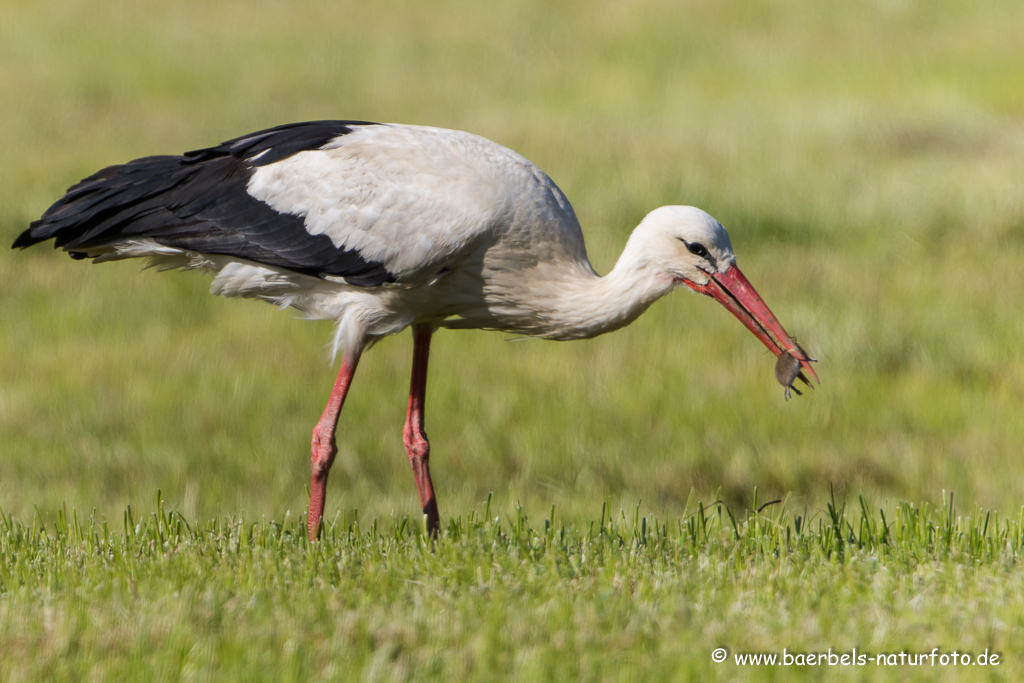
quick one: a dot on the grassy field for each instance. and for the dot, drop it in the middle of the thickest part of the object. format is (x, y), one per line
(868, 160)
(621, 599)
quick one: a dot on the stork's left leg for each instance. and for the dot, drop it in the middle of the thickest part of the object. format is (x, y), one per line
(416, 444)
(325, 446)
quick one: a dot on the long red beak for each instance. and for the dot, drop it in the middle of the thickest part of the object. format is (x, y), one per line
(734, 291)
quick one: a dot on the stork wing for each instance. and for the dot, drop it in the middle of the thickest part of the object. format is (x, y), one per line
(367, 203)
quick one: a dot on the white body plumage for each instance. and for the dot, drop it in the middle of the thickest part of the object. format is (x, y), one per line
(477, 236)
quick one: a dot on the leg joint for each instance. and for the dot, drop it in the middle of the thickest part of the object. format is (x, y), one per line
(324, 448)
(417, 447)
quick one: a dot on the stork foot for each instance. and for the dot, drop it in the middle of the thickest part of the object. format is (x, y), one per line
(324, 451)
(433, 518)
(425, 487)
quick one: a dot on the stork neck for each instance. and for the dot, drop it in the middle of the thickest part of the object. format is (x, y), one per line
(590, 305)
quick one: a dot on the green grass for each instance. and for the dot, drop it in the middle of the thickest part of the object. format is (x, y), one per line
(625, 597)
(868, 160)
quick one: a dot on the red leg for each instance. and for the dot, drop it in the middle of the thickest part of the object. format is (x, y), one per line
(416, 444)
(324, 445)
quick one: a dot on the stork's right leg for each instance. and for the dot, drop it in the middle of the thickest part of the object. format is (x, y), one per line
(324, 445)
(416, 444)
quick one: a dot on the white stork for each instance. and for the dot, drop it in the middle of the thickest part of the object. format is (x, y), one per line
(380, 227)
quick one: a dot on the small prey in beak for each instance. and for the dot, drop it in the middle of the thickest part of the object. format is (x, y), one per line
(787, 369)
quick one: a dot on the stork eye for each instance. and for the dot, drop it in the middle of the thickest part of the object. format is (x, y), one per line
(697, 249)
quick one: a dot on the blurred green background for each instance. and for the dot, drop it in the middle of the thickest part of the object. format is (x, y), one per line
(867, 158)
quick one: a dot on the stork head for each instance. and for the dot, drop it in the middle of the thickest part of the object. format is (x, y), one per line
(691, 248)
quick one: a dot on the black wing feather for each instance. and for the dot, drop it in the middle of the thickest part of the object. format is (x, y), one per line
(199, 202)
